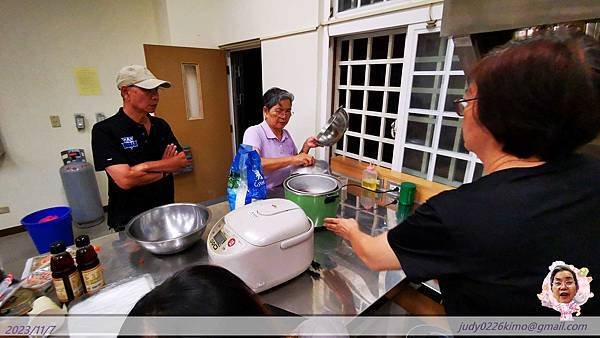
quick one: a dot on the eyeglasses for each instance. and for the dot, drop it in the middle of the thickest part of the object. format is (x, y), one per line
(281, 113)
(461, 104)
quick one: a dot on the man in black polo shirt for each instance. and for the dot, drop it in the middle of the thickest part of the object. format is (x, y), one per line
(138, 151)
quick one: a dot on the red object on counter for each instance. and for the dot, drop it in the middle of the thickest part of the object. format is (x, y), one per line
(48, 218)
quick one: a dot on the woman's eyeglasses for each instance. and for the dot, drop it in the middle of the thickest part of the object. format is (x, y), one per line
(461, 104)
(281, 113)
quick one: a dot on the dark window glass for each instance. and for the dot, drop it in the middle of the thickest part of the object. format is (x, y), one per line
(342, 98)
(343, 75)
(392, 105)
(379, 47)
(371, 148)
(431, 44)
(359, 49)
(372, 125)
(449, 170)
(398, 51)
(478, 171)
(375, 102)
(388, 128)
(396, 75)
(369, 2)
(450, 136)
(358, 75)
(347, 4)
(416, 161)
(345, 48)
(356, 99)
(419, 129)
(377, 75)
(340, 144)
(387, 153)
(355, 122)
(353, 145)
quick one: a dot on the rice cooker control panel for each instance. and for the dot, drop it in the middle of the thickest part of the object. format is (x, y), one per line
(221, 241)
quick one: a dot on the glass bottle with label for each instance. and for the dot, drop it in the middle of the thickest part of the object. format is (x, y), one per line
(88, 265)
(64, 273)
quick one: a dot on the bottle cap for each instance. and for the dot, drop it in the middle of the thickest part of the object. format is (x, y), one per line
(57, 247)
(407, 193)
(82, 241)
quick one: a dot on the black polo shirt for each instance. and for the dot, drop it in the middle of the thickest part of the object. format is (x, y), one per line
(120, 140)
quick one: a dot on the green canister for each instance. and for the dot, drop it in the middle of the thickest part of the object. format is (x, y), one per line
(407, 193)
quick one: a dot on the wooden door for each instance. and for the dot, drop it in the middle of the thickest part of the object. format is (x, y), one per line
(209, 137)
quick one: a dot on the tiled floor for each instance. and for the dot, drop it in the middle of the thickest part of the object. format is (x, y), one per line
(16, 249)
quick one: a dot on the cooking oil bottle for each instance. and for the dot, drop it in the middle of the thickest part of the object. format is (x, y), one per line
(369, 181)
(369, 178)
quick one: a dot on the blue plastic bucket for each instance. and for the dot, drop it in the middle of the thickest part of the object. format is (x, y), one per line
(46, 233)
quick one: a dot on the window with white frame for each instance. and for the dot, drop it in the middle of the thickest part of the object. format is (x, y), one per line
(344, 5)
(404, 81)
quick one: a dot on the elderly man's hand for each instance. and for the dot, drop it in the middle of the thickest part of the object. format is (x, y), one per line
(346, 228)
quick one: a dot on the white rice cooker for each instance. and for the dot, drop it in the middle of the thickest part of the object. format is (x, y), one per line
(265, 243)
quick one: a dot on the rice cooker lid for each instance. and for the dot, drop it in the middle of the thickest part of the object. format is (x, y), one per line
(312, 184)
(265, 222)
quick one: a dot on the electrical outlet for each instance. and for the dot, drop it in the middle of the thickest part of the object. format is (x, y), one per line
(55, 121)
(4, 210)
(392, 185)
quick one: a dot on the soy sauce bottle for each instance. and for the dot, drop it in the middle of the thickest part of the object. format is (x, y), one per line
(64, 273)
(88, 265)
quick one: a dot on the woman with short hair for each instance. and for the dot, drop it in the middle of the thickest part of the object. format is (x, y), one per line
(278, 152)
(528, 107)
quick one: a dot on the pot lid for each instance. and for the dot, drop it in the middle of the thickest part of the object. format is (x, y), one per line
(311, 184)
(265, 222)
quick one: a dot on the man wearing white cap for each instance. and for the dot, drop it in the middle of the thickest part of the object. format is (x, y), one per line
(138, 151)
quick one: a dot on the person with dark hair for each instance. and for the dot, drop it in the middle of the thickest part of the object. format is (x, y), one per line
(529, 106)
(564, 284)
(278, 152)
(201, 290)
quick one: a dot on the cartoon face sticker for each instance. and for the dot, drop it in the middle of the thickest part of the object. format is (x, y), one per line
(565, 289)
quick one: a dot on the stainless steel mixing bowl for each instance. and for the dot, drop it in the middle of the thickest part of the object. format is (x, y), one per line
(169, 228)
(335, 128)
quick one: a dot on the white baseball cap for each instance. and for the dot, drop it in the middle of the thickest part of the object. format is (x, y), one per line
(139, 76)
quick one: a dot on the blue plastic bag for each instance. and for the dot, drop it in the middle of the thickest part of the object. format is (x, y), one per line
(246, 182)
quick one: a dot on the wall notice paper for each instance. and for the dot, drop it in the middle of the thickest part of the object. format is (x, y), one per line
(87, 81)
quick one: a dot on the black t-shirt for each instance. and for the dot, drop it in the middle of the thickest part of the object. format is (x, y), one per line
(490, 243)
(120, 140)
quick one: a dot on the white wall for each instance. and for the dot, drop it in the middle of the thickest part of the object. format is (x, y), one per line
(210, 23)
(42, 41)
(291, 63)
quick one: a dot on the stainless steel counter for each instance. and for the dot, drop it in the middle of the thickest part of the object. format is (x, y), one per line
(342, 284)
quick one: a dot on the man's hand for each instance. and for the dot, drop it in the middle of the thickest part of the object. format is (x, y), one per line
(347, 228)
(178, 161)
(310, 142)
(170, 151)
(304, 160)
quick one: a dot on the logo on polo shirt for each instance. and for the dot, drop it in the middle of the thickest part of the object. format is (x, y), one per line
(129, 142)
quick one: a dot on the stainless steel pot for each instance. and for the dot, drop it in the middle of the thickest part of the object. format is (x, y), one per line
(320, 167)
(335, 128)
(169, 228)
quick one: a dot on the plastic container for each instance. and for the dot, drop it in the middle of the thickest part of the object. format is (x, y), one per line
(369, 178)
(43, 234)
